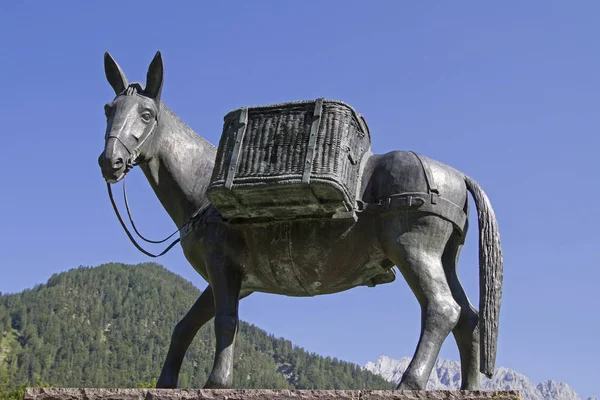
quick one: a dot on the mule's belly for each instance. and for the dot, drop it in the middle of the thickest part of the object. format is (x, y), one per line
(308, 257)
(305, 257)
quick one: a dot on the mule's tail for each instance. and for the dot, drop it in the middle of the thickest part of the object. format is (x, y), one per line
(490, 277)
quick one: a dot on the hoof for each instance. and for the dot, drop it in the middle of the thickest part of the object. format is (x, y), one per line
(166, 383)
(408, 386)
(211, 384)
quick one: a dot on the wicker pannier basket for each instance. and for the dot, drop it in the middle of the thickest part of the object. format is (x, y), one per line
(289, 160)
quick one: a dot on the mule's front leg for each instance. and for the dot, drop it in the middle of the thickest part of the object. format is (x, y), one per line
(226, 285)
(183, 334)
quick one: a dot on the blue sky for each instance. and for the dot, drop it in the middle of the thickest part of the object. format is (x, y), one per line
(506, 92)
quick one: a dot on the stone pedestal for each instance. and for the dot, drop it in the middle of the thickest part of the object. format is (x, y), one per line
(262, 394)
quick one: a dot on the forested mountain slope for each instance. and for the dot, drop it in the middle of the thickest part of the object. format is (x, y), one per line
(110, 326)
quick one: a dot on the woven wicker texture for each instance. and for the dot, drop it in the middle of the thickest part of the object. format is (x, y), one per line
(274, 148)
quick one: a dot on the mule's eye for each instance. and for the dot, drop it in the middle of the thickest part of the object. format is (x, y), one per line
(146, 117)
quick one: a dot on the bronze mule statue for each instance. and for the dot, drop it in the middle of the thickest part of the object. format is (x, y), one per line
(307, 257)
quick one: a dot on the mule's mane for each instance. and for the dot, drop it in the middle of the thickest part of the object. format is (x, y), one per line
(209, 149)
(134, 88)
(189, 130)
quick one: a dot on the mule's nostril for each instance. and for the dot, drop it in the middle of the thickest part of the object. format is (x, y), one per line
(118, 163)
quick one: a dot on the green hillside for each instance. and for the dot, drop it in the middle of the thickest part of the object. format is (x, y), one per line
(110, 326)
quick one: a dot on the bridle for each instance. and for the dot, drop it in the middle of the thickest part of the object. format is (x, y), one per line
(133, 154)
(131, 162)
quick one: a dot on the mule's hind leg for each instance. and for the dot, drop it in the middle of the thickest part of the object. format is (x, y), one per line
(465, 333)
(418, 254)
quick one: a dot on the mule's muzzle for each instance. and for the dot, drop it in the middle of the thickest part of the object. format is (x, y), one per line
(113, 168)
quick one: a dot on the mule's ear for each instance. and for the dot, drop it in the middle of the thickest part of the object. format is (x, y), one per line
(154, 78)
(114, 74)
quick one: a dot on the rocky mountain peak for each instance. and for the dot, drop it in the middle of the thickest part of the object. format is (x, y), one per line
(446, 376)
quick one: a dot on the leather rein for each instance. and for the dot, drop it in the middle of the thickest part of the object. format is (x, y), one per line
(129, 235)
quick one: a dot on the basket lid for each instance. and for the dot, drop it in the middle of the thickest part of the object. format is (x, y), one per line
(359, 117)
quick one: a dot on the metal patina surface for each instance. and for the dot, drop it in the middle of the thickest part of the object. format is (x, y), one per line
(411, 212)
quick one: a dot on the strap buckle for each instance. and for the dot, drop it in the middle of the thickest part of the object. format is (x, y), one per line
(361, 206)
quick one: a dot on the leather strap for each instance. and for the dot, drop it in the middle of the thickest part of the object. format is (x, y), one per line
(419, 201)
(431, 185)
(242, 123)
(312, 140)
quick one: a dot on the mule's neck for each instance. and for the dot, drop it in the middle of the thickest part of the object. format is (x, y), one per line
(180, 167)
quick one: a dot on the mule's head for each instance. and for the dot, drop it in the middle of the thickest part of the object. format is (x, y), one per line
(131, 118)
